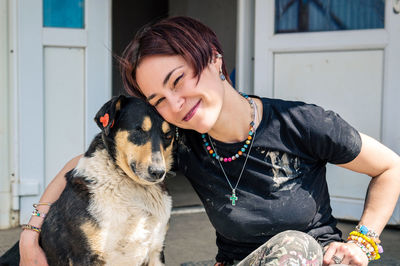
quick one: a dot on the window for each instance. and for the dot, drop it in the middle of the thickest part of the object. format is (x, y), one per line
(63, 13)
(328, 15)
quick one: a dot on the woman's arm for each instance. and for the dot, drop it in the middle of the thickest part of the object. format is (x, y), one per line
(383, 165)
(31, 253)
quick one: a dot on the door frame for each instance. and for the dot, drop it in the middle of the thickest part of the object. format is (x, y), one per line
(266, 44)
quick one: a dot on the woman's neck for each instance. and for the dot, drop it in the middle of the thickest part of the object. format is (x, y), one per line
(234, 119)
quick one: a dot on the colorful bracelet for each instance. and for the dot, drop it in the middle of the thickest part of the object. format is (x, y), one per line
(368, 243)
(366, 238)
(364, 245)
(38, 214)
(368, 232)
(372, 235)
(31, 227)
(370, 255)
(35, 205)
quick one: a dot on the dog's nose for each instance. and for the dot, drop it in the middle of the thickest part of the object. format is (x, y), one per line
(156, 172)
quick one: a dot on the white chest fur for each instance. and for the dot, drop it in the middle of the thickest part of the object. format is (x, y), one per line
(132, 219)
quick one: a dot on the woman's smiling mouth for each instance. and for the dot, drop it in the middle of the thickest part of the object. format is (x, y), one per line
(192, 111)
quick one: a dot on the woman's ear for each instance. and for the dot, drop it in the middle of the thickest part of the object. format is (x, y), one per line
(216, 55)
(217, 60)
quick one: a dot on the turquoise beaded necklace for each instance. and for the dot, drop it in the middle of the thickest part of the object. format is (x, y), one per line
(250, 140)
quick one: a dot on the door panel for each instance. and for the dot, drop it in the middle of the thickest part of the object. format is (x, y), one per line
(336, 81)
(64, 106)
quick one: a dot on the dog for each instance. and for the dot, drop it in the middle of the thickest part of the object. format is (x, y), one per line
(114, 209)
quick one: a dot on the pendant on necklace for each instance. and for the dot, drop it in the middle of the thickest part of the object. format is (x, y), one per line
(233, 198)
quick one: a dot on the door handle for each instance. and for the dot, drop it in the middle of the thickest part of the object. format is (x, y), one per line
(396, 6)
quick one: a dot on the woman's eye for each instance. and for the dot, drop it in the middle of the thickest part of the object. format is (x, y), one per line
(177, 79)
(159, 101)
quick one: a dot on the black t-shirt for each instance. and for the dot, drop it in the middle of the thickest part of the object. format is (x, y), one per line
(283, 185)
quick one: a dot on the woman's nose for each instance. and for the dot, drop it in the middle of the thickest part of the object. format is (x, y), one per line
(176, 103)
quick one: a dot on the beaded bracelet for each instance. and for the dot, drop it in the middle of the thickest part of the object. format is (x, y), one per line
(38, 214)
(368, 232)
(31, 227)
(364, 245)
(366, 238)
(35, 205)
(363, 239)
(371, 255)
(375, 238)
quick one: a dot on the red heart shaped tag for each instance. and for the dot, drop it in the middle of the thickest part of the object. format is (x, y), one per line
(104, 119)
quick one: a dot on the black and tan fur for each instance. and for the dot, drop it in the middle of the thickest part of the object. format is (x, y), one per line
(114, 210)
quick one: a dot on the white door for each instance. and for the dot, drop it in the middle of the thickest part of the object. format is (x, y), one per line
(343, 56)
(63, 78)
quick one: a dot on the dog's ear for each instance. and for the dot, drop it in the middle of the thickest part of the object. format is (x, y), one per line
(107, 114)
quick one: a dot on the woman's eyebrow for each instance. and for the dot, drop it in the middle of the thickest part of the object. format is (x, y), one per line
(151, 97)
(169, 75)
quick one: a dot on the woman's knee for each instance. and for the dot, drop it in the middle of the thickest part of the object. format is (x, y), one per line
(295, 239)
(288, 248)
(296, 245)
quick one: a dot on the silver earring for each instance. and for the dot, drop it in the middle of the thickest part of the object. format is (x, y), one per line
(221, 75)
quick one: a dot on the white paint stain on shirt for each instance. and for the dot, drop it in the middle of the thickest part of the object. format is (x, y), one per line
(285, 170)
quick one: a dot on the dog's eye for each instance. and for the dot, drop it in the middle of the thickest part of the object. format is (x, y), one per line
(168, 135)
(139, 129)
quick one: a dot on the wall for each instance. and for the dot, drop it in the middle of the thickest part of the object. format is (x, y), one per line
(218, 15)
(127, 18)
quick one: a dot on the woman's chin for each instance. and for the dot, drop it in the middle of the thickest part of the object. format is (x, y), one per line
(199, 125)
(200, 128)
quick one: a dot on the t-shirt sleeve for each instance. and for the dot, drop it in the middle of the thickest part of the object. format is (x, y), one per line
(330, 137)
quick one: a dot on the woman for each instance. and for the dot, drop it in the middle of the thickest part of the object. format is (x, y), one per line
(257, 164)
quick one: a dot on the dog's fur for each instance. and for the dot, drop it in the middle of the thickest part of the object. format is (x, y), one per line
(114, 210)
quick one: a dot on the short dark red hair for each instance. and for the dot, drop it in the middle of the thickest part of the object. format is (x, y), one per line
(184, 36)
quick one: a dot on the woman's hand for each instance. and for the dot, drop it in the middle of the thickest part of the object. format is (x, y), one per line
(348, 253)
(29, 249)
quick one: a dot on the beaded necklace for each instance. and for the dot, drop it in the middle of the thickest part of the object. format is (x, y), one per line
(211, 150)
(250, 140)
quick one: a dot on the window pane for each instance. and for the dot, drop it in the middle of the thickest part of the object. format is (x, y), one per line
(63, 13)
(328, 15)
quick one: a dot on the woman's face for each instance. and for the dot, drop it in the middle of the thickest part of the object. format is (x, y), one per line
(168, 84)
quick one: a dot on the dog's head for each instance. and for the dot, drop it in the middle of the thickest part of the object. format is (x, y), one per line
(137, 138)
